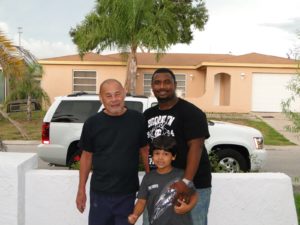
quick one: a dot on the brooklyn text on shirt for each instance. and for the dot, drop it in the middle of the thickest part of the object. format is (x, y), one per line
(163, 119)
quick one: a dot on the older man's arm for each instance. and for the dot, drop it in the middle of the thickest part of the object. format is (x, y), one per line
(85, 168)
(144, 153)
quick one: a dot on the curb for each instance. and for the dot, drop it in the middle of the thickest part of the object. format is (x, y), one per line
(279, 147)
(21, 142)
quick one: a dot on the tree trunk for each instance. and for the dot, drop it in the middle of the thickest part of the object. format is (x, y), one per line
(29, 108)
(15, 124)
(131, 73)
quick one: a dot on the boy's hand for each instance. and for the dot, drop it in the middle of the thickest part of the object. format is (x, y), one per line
(182, 207)
(132, 218)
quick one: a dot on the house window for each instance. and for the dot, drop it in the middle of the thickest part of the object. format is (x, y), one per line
(147, 84)
(181, 85)
(84, 81)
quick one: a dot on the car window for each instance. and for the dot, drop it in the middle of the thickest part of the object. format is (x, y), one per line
(75, 111)
(138, 106)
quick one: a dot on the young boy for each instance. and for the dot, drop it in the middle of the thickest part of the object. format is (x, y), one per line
(155, 191)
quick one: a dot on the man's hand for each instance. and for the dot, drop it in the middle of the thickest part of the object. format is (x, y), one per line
(180, 187)
(182, 191)
(81, 201)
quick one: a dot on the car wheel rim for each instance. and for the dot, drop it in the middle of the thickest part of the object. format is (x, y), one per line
(229, 165)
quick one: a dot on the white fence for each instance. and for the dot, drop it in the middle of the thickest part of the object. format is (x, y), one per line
(34, 197)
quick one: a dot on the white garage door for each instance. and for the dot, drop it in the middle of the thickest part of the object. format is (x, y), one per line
(269, 90)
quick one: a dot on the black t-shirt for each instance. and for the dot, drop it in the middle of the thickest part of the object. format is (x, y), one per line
(115, 142)
(185, 122)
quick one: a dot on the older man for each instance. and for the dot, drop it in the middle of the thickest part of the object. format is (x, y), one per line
(111, 142)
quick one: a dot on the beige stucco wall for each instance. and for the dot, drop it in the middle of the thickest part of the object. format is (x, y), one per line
(195, 81)
(58, 80)
(240, 89)
(200, 83)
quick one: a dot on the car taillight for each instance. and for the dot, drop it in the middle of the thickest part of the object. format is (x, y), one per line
(45, 133)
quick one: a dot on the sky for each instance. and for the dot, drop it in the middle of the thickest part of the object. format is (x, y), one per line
(234, 27)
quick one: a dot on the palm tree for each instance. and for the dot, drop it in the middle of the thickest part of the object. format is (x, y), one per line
(132, 24)
(13, 65)
(28, 87)
(23, 71)
(10, 60)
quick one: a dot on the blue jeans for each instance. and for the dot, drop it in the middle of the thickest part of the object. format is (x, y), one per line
(110, 209)
(199, 212)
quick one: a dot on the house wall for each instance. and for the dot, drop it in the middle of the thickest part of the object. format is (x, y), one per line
(58, 79)
(195, 81)
(200, 83)
(240, 88)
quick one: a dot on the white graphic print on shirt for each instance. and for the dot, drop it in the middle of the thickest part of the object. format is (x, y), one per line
(157, 126)
(160, 125)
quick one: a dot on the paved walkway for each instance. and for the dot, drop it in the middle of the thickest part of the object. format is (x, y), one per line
(278, 121)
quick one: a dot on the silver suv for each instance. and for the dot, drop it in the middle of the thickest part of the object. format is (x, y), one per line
(236, 147)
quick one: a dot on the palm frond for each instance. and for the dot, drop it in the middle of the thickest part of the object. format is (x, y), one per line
(11, 61)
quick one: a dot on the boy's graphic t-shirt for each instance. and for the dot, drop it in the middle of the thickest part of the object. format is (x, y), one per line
(153, 189)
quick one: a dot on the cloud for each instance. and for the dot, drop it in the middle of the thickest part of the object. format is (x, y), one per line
(4, 27)
(46, 49)
(291, 26)
(41, 48)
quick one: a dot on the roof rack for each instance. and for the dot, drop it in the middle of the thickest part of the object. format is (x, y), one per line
(136, 96)
(78, 94)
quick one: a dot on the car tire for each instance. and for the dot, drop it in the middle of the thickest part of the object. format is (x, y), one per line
(230, 161)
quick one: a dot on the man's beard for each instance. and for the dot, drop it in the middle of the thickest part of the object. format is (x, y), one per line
(167, 99)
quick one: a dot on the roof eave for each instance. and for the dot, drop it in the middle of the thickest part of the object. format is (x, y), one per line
(84, 63)
(250, 65)
(166, 66)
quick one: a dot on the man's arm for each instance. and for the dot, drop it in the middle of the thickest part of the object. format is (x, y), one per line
(193, 157)
(138, 210)
(144, 153)
(192, 164)
(85, 168)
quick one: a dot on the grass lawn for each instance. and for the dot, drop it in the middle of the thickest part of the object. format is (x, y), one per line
(271, 136)
(33, 127)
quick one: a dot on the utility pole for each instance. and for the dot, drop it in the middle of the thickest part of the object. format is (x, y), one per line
(20, 32)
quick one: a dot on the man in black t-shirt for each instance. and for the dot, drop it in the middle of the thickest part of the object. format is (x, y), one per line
(187, 123)
(111, 142)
